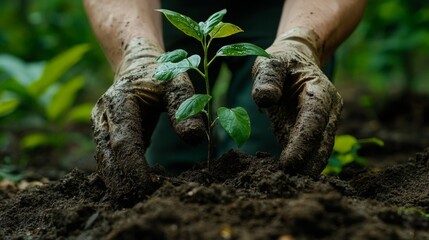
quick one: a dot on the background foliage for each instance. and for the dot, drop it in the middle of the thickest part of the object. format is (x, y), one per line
(387, 54)
(389, 51)
(52, 71)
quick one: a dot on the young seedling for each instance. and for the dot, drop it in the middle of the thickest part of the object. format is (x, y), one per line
(345, 151)
(235, 121)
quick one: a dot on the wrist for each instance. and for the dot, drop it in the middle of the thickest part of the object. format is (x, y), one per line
(136, 53)
(309, 38)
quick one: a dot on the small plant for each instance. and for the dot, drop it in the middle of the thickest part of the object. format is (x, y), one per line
(235, 121)
(412, 210)
(38, 107)
(346, 151)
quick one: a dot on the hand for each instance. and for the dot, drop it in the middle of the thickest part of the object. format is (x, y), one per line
(303, 105)
(125, 117)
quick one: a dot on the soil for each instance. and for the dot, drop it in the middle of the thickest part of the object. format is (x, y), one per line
(248, 197)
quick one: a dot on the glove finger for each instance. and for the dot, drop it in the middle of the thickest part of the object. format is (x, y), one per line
(191, 130)
(268, 75)
(118, 132)
(325, 150)
(307, 134)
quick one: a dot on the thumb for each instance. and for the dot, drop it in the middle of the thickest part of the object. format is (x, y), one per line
(268, 81)
(191, 130)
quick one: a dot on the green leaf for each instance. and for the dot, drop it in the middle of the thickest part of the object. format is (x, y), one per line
(19, 91)
(334, 162)
(56, 68)
(80, 113)
(346, 158)
(344, 143)
(63, 99)
(14, 86)
(19, 70)
(192, 106)
(236, 123)
(194, 60)
(373, 140)
(8, 106)
(224, 30)
(183, 23)
(173, 56)
(331, 170)
(35, 140)
(334, 166)
(10, 172)
(212, 21)
(241, 49)
(169, 70)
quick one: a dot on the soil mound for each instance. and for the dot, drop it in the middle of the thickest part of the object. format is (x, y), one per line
(242, 197)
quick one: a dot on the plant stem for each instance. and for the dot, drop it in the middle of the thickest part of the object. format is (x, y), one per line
(208, 106)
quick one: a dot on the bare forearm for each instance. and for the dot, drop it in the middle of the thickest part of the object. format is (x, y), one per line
(115, 23)
(332, 20)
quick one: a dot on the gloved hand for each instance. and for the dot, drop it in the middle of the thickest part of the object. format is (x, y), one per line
(125, 117)
(302, 104)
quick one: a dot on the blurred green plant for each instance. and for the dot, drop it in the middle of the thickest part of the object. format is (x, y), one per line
(10, 172)
(39, 30)
(345, 151)
(38, 102)
(389, 51)
(34, 30)
(412, 210)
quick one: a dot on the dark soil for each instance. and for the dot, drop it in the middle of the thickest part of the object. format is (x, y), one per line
(243, 197)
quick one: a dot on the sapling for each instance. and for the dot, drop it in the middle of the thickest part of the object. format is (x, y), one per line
(235, 121)
(345, 151)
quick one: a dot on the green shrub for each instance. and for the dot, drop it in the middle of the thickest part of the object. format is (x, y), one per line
(38, 105)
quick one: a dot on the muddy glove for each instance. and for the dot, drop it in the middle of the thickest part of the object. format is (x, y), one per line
(125, 117)
(302, 104)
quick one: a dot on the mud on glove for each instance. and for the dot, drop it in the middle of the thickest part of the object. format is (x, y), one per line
(302, 104)
(125, 117)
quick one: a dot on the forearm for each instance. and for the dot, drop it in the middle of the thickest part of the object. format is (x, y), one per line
(115, 23)
(332, 20)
